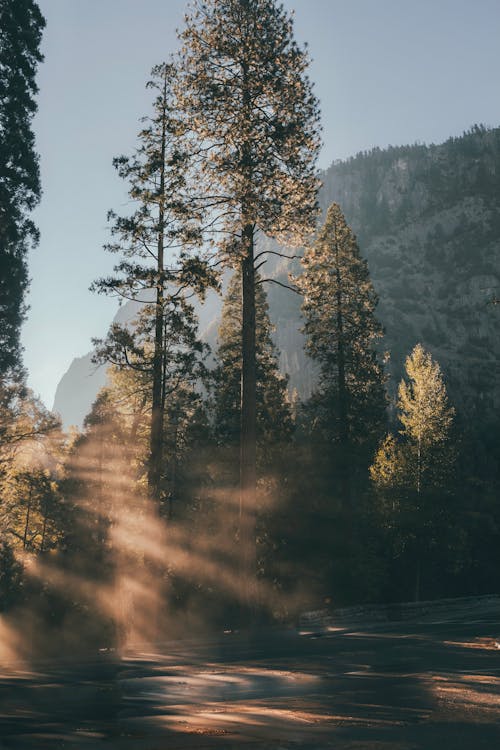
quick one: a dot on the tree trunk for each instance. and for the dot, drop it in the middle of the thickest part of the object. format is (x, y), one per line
(248, 435)
(156, 438)
(344, 463)
(27, 522)
(158, 405)
(44, 531)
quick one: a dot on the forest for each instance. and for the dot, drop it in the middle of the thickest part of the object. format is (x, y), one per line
(204, 491)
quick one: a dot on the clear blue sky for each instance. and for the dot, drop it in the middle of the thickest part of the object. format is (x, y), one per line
(386, 72)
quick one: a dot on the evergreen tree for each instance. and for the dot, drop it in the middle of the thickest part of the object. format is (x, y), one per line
(274, 420)
(127, 401)
(23, 419)
(155, 241)
(426, 417)
(341, 336)
(32, 513)
(251, 109)
(21, 25)
(421, 459)
(412, 476)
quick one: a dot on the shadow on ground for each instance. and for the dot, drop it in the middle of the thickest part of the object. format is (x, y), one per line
(398, 688)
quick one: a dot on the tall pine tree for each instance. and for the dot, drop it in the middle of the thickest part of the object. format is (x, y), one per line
(155, 241)
(426, 417)
(342, 333)
(251, 109)
(21, 26)
(412, 475)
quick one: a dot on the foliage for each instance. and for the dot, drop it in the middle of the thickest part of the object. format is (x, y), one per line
(413, 476)
(246, 97)
(342, 332)
(163, 340)
(32, 513)
(24, 422)
(21, 25)
(426, 418)
(274, 423)
(165, 219)
(11, 576)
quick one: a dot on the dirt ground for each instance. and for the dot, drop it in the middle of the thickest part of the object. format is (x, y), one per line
(420, 685)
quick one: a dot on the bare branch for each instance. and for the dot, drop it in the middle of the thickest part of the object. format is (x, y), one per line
(280, 255)
(279, 283)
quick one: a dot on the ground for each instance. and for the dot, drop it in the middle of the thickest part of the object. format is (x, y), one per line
(418, 685)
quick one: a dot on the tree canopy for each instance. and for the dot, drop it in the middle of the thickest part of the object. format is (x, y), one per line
(21, 26)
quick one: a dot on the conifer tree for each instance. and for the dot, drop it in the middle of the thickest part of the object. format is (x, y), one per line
(412, 475)
(341, 336)
(253, 115)
(21, 26)
(274, 421)
(31, 510)
(155, 241)
(127, 402)
(426, 417)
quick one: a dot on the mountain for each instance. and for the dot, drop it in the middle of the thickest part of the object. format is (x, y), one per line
(77, 389)
(428, 221)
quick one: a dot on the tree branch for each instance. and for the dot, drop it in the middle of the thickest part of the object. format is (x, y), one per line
(279, 283)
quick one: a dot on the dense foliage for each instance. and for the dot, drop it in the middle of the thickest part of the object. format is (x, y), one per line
(274, 422)
(157, 270)
(342, 333)
(21, 26)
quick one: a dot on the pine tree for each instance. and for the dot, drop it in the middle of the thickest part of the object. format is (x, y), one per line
(341, 336)
(155, 241)
(23, 419)
(412, 475)
(185, 427)
(274, 419)
(252, 112)
(32, 510)
(426, 417)
(21, 25)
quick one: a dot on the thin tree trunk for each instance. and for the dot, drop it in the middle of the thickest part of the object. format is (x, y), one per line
(26, 525)
(157, 409)
(418, 573)
(248, 435)
(44, 531)
(344, 464)
(173, 490)
(156, 438)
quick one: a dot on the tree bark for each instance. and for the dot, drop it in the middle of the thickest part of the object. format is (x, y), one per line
(27, 522)
(156, 438)
(248, 433)
(344, 464)
(158, 405)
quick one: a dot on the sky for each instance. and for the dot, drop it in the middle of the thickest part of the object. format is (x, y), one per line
(386, 72)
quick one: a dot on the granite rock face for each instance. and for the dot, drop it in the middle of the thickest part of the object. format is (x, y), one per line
(77, 390)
